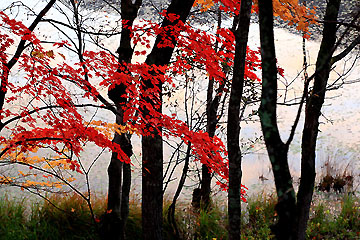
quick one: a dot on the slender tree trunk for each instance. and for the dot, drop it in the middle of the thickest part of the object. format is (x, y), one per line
(152, 148)
(277, 150)
(120, 173)
(125, 197)
(205, 188)
(312, 114)
(171, 210)
(212, 104)
(233, 127)
(118, 193)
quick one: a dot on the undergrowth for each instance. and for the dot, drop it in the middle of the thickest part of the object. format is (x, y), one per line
(72, 219)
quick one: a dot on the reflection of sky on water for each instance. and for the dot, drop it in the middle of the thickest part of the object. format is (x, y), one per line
(339, 130)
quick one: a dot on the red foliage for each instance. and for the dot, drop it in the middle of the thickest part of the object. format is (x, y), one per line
(65, 130)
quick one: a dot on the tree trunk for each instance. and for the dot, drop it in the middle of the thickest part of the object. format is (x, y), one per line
(212, 104)
(171, 209)
(119, 188)
(211, 121)
(233, 127)
(152, 148)
(120, 173)
(152, 183)
(125, 198)
(205, 188)
(312, 114)
(118, 192)
(277, 150)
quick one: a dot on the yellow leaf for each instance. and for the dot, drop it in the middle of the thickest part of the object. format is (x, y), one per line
(50, 53)
(37, 54)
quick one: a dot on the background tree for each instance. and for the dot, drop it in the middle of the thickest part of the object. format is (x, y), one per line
(233, 126)
(290, 208)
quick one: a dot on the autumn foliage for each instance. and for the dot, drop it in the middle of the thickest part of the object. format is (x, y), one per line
(50, 117)
(288, 10)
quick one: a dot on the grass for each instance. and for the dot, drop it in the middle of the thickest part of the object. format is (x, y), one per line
(71, 220)
(344, 225)
(331, 218)
(258, 217)
(12, 220)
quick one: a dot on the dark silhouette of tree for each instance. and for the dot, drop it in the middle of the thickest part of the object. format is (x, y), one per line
(152, 146)
(293, 211)
(233, 125)
(119, 172)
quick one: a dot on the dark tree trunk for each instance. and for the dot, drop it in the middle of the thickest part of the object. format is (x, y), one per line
(277, 150)
(125, 198)
(312, 114)
(212, 104)
(205, 188)
(211, 121)
(120, 173)
(152, 148)
(152, 183)
(233, 127)
(118, 192)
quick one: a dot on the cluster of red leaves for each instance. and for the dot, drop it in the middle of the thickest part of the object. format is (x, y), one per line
(196, 48)
(49, 120)
(5, 42)
(208, 151)
(58, 124)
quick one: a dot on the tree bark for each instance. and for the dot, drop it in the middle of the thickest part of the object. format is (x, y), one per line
(120, 173)
(152, 147)
(233, 126)
(205, 188)
(277, 150)
(212, 105)
(312, 114)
